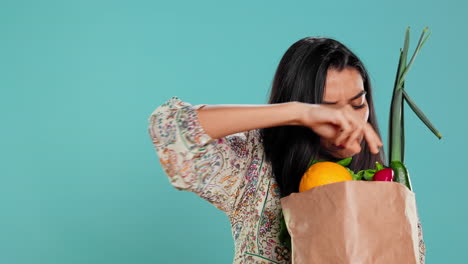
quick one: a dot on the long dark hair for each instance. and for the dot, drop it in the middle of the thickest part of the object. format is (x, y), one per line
(301, 76)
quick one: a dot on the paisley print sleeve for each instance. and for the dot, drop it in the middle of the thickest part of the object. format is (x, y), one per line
(422, 246)
(192, 160)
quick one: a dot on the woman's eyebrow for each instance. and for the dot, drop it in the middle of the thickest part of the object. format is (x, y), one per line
(361, 93)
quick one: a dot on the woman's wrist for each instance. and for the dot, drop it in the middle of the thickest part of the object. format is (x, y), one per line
(297, 112)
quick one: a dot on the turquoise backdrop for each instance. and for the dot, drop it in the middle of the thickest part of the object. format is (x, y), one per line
(80, 180)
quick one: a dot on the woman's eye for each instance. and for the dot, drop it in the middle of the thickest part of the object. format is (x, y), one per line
(359, 106)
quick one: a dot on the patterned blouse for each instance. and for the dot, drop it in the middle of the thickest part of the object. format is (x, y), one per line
(231, 173)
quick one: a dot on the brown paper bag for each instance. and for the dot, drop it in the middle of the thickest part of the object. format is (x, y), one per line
(353, 222)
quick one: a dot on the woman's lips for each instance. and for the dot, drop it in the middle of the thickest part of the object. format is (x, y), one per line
(338, 147)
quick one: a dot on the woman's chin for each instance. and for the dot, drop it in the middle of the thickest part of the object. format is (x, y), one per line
(340, 154)
(335, 154)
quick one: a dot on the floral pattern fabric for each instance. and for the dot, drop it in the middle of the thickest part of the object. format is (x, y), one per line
(230, 173)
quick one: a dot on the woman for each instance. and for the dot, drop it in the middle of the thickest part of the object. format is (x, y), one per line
(244, 158)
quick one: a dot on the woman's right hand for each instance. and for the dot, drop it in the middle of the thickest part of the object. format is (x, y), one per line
(341, 125)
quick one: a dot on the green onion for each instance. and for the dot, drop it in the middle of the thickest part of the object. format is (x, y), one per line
(421, 115)
(396, 120)
(396, 135)
(418, 48)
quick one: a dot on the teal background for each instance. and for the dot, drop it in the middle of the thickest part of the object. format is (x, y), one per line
(80, 180)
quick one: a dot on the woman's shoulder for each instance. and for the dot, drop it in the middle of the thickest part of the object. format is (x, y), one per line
(253, 139)
(242, 144)
(255, 135)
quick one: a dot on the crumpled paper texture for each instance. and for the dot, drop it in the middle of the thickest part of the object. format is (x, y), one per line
(358, 222)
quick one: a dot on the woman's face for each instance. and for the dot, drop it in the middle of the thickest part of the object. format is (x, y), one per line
(341, 88)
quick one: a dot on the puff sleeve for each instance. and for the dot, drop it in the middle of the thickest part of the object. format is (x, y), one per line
(192, 160)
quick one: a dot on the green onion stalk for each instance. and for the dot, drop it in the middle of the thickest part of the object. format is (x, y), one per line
(396, 120)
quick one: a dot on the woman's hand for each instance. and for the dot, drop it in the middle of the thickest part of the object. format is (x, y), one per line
(341, 125)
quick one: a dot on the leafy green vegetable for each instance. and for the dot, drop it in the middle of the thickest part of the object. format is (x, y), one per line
(345, 162)
(354, 175)
(360, 175)
(369, 174)
(379, 166)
